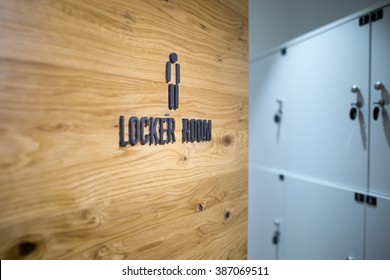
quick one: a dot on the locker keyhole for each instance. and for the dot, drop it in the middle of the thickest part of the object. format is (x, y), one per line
(275, 238)
(278, 117)
(353, 113)
(375, 114)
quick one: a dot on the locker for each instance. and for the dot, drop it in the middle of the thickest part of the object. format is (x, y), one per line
(322, 222)
(268, 79)
(333, 145)
(323, 141)
(266, 200)
(378, 230)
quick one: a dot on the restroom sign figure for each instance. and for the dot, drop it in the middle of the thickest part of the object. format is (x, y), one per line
(173, 88)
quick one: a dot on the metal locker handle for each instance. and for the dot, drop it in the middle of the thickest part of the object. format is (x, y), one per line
(379, 85)
(355, 89)
(276, 236)
(358, 104)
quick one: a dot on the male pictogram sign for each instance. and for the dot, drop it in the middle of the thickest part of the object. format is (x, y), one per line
(173, 89)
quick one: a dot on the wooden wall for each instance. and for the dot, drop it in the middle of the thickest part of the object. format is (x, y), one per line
(68, 70)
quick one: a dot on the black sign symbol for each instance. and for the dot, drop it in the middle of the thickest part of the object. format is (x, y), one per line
(173, 89)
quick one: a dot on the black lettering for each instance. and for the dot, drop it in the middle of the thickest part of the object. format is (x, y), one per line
(186, 130)
(199, 131)
(207, 130)
(142, 271)
(162, 131)
(134, 131)
(171, 130)
(122, 142)
(153, 131)
(192, 130)
(180, 271)
(144, 122)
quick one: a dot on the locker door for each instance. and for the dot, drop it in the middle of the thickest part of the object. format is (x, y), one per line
(380, 88)
(378, 230)
(266, 198)
(268, 92)
(322, 222)
(324, 142)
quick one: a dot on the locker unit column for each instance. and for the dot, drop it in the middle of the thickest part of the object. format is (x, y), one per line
(377, 216)
(380, 102)
(319, 117)
(327, 144)
(269, 88)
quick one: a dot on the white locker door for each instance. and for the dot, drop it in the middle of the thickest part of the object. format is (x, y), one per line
(324, 143)
(265, 218)
(322, 222)
(378, 230)
(380, 126)
(267, 85)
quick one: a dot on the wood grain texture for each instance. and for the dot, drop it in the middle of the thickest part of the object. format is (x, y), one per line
(68, 70)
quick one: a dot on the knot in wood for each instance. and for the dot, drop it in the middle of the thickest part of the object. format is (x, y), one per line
(227, 140)
(201, 207)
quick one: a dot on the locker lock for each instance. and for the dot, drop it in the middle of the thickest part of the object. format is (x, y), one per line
(382, 102)
(353, 113)
(354, 110)
(375, 113)
(275, 238)
(278, 115)
(276, 235)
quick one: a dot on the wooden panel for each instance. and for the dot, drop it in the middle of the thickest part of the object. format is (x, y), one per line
(68, 70)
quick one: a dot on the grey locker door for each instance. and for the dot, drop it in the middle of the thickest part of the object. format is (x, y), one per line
(268, 83)
(378, 230)
(324, 143)
(380, 128)
(322, 222)
(266, 200)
